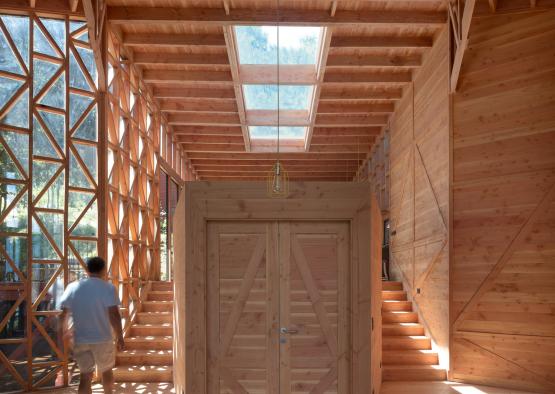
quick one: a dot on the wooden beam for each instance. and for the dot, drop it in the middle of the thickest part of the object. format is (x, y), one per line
(263, 173)
(267, 166)
(289, 74)
(368, 77)
(381, 42)
(346, 131)
(175, 76)
(73, 4)
(273, 156)
(157, 15)
(198, 105)
(270, 117)
(149, 58)
(211, 139)
(327, 178)
(352, 120)
(198, 147)
(356, 93)
(465, 22)
(219, 93)
(173, 40)
(95, 22)
(362, 149)
(204, 119)
(339, 108)
(342, 140)
(230, 41)
(207, 130)
(53, 7)
(373, 61)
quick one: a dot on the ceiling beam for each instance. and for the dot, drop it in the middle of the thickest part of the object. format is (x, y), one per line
(368, 77)
(198, 147)
(342, 140)
(177, 76)
(346, 131)
(311, 166)
(207, 130)
(158, 15)
(204, 119)
(273, 156)
(262, 173)
(220, 93)
(270, 117)
(198, 105)
(381, 42)
(362, 149)
(352, 120)
(356, 93)
(210, 139)
(289, 74)
(461, 44)
(374, 61)
(322, 178)
(173, 40)
(46, 7)
(182, 59)
(339, 108)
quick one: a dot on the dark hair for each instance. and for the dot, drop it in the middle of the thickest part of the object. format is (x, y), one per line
(95, 265)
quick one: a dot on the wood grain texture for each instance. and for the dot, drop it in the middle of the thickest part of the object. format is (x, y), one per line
(419, 204)
(503, 266)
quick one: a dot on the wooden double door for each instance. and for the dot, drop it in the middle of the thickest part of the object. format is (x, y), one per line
(277, 307)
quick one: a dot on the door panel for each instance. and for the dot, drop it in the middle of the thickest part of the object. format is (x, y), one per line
(313, 307)
(242, 308)
(263, 277)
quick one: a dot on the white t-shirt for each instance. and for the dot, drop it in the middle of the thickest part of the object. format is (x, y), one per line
(89, 300)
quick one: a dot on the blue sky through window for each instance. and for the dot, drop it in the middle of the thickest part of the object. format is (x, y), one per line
(258, 44)
(270, 132)
(264, 97)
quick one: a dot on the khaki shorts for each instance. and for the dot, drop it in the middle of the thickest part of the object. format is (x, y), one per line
(91, 355)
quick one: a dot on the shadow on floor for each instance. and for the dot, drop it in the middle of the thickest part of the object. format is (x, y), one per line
(123, 388)
(443, 388)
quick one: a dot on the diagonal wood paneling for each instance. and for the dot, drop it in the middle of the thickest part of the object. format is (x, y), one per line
(503, 267)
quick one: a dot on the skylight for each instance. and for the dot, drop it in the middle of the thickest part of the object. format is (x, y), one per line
(264, 97)
(299, 49)
(270, 132)
(258, 44)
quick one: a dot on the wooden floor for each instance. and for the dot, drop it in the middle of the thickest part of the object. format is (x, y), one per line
(121, 388)
(443, 388)
(387, 388)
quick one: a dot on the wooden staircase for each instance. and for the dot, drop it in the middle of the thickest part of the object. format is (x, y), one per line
(406, 350)
(148, 346)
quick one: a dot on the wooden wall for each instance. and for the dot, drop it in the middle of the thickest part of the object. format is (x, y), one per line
(378, 172)
(419, 202)
(503, 263)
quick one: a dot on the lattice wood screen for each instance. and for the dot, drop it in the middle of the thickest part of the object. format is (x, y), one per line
(48, 193)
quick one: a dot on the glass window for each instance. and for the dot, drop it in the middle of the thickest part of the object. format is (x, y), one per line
(291, 97)
(270, 132)
(258, 44)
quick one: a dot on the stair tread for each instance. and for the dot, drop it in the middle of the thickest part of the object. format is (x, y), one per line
(145, 352)
(413, 366)
(149, 338)
(407, 351)
(149, 325)
(164, 313)
(390, 325)
(143, 368)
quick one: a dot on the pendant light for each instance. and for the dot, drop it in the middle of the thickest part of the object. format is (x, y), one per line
(278, 179)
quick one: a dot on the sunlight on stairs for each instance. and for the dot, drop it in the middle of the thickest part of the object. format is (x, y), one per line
(406, 350)
(148, 347)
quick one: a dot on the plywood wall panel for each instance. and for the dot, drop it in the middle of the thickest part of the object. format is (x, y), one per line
(503, 263)
(420, 192)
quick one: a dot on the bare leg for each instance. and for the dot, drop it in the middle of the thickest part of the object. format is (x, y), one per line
(85, 383)
(108, 381)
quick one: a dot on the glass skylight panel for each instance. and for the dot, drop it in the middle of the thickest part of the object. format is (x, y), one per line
(258, 44)
(270, 132)
(264, 97)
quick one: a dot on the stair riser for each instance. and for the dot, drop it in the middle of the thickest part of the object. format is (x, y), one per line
(149, 345)
(150, 331)
(410, 375)
(399, 318)
(397, 306)
(166, 296)
(392, 286)
(154, 318)
(157, 307)
(394, 295)
(130, 376)
(402, 330)
(161, 286)
(406, 343)
(412, 358)
(153, 359)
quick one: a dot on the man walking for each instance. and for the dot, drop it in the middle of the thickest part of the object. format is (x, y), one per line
(94, 306)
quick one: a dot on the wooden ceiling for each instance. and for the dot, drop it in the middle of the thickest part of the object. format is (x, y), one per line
(369, 54)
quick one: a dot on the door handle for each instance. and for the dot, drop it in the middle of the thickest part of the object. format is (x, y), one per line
(285, 330)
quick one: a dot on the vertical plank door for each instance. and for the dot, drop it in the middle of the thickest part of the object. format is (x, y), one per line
(314, 298)
(242, 308)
